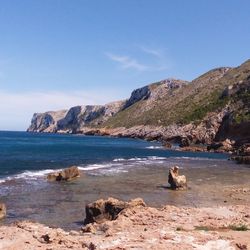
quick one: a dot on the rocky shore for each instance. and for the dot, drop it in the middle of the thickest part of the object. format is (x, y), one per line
(140, 227)
(209, 113)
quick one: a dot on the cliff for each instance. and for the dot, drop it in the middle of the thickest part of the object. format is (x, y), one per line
(213, 107)
(74, 119)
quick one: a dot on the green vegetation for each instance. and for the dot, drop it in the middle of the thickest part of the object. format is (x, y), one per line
(199, 112)
(241, 227)
(203, 228)
(191, 103)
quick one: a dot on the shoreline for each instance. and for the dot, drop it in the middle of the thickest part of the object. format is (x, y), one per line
(169, 227)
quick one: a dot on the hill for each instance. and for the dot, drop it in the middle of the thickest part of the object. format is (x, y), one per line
(213, 107)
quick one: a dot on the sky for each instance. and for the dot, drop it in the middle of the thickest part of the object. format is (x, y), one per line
(55, 54)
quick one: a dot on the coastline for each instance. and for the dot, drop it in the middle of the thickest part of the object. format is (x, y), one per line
(139, 227)
(205, 216)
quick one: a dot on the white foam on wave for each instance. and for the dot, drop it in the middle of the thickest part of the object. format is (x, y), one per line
(156, 158)
(95, 166)
(119, 159)
(154, 147)
(197, 158)
(35, 174)
(29, 175)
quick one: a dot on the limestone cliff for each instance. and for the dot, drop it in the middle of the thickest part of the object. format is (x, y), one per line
(72, 120)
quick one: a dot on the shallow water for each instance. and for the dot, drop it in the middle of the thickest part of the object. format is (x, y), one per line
(124, 169)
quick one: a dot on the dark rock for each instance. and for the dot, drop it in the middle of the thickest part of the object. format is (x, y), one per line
(167, 144)
(103, 210)
(185, 142)
(64, 175)
(137, 95)
(242, 155)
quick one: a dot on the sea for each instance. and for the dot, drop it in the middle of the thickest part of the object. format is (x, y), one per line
(122, 168)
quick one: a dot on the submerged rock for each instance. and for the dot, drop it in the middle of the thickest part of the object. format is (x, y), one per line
(107, 210)
(2, 210)
(175, 180)
(242, 155)
(64, 175)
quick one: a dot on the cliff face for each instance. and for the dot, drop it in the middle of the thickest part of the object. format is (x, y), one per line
(74, 119)
(46, 122)
(212, 107)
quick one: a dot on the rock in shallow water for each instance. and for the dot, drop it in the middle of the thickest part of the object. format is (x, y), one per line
(64, 175)
(2, 210)
(103, 210)
(175, 180)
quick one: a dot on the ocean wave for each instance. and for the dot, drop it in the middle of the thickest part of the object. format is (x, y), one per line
(197, 158)
(119, 159)
(29, 175)
(95, 166)
(154, 147)
(157, 158)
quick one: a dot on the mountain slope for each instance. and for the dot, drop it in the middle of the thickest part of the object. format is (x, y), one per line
(212, 107)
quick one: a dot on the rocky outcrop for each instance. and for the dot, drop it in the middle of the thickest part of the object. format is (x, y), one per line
(2, 210)
(137, 95)
(103, 210)
(176, 181)
(46, 122)
(242, 155)
(72, 120)
(208, 110)
(64, 175)
(141, 228)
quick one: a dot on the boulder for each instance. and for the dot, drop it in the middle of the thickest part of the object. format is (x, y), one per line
(175, 180)
(241, 159)
(64, 175)
(2, 210)
(167, 144)
(107, 210)
(242, 155)
(223, 146)
(185, 142)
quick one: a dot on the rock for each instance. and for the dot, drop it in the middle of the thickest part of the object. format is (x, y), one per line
(214, 146)
(242, 159)
(137, 95)
(64, 175)
(167, 144)
(242, 155)
(185, 142)
(103, 210)
(89, 228)
(2, 210)
(223, 146)
(175, 180)
(46, 122)
(193, 149)
(228, 145)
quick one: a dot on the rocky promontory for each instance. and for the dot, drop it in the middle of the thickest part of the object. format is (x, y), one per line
(210, 110)
(140, 227)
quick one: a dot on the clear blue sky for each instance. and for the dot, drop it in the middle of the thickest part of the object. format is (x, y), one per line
(59, 53)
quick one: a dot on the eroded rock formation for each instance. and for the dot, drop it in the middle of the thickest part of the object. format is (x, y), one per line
(2, 210)
(64, 175)
(176, 181)
(103, 210)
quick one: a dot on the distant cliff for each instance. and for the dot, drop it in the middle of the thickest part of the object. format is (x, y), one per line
(74, 119)
(212, 107)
